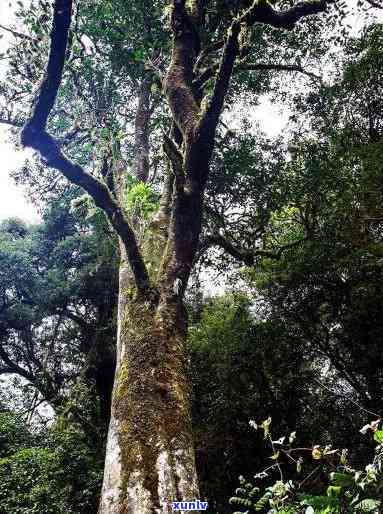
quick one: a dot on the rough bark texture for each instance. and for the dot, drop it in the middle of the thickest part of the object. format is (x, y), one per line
(141, 165)
(149, 457)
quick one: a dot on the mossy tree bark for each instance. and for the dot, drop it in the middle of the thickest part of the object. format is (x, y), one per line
(149, 459)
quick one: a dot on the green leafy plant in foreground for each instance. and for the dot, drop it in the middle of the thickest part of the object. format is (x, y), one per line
(330, 486)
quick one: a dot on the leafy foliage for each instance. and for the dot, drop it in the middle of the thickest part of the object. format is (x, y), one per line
(141, 201)
(349, 490)
(315, 312)
(47, 473)
(58, 287)
(241, 364)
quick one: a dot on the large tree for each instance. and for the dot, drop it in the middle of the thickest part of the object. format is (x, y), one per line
(150, 457)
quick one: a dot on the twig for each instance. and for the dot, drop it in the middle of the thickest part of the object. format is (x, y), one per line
(349, 399)
(309, 475)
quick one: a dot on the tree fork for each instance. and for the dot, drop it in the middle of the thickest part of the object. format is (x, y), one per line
(150, 455)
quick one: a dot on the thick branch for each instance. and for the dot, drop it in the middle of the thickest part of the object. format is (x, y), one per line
(211, 115)
(50, 151)
(48, 91)
(259, 12)
(230, 52)
(141, 131)
(263, 12)
(12, 123)
(178, 81)
(163, 214)
(162, 217)
(34, 135)
(12, 366)
(176, 160)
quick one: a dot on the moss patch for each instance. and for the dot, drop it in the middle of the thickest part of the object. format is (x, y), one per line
(151, 400)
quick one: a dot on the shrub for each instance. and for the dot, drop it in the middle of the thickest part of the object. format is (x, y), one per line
(330, 484)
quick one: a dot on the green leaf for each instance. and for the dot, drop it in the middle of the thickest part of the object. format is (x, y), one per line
(342, 479)
(378, 436)
(334, 491)
(319, 502)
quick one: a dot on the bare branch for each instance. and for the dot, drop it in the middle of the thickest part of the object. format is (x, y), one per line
(247, 256)
(278, 67)
(18, 34)
(208, 73)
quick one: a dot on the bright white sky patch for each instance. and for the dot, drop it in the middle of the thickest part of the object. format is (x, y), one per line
(12, 200)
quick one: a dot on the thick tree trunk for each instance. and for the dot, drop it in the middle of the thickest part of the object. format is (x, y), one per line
(149, 456)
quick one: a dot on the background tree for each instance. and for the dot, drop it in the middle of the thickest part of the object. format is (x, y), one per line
(46, 470)
(58, 291)
(328, 287)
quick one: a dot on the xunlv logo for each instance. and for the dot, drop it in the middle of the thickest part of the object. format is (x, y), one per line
(194, 505)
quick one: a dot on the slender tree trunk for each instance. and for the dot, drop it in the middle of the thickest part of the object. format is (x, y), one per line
(141, 130)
